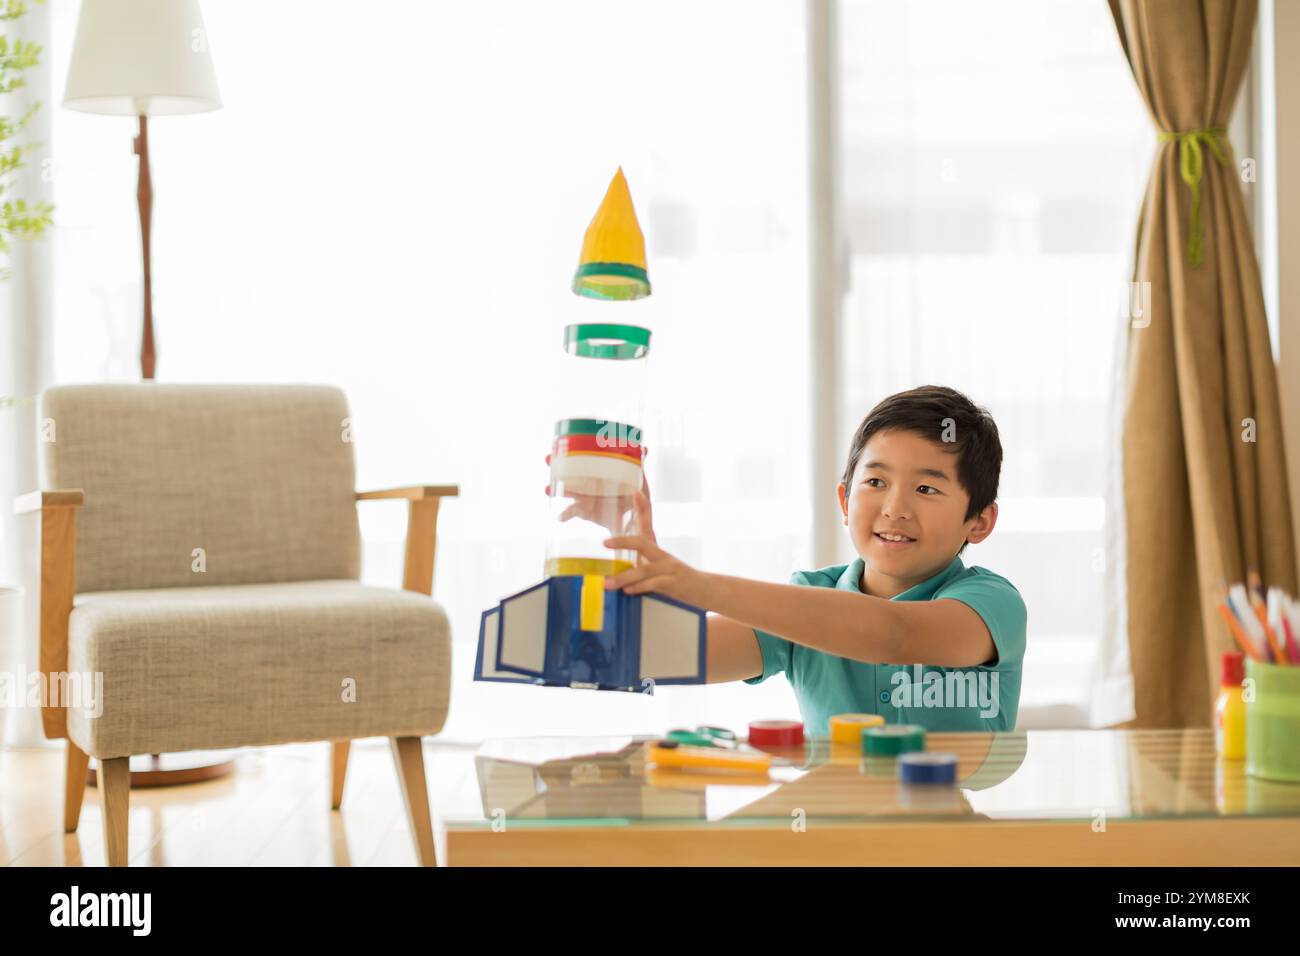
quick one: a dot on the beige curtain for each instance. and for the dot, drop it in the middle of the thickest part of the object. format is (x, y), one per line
(1203, 502)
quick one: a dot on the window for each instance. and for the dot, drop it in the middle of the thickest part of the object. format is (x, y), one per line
(393, 200)
(993, 158)
(394, 203)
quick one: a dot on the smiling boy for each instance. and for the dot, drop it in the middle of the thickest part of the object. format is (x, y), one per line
(905, 630)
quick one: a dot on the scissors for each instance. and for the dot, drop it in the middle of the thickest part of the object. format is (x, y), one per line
(718, 737)
(705, 737)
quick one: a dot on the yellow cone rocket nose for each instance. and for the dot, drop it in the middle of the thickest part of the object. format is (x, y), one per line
(613, 265)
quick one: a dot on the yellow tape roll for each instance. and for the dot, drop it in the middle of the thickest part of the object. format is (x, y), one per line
(847, 728)
(572, 566)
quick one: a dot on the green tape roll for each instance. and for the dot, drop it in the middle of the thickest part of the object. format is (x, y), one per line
(619, 431)
(606, 341)
(893, 739)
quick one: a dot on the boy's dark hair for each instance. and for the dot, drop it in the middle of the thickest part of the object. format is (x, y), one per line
(949, 419)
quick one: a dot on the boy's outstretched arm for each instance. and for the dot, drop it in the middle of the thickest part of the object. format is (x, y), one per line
(944, 633)
(733, 651)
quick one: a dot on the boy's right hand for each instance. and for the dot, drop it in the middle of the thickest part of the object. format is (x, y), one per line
(646, 526)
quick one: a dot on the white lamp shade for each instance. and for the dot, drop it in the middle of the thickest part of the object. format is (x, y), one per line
(141, 58)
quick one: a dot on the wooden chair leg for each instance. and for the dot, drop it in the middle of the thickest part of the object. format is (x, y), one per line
(338, 770)
(74, 786)
(409, 756)
(115, 800)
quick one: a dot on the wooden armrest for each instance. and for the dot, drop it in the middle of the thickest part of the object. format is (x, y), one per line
(38, 500)
(413, 493)
(58, 511)
(421, 529)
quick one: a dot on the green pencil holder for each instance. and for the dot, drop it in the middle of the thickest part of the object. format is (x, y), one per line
(1273, 722)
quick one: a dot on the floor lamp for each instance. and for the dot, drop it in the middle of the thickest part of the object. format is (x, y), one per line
(142, 58)
(146, 58)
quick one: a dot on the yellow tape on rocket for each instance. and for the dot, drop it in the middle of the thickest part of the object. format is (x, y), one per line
(592, 603)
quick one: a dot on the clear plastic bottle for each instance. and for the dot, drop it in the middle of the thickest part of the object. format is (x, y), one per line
(597, 460)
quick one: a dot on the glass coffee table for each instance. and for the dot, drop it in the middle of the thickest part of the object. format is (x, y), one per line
(1051, 797)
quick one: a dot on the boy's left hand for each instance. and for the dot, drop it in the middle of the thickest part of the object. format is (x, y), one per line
(656, 570)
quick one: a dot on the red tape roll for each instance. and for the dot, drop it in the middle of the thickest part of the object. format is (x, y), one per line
(776, 733)
(599, 445)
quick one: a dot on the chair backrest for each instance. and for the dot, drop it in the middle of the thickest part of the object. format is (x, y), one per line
(261, 478)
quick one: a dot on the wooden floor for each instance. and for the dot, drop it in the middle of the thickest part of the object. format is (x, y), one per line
(273, 811)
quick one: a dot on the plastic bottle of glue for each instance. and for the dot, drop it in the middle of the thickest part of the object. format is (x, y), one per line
(1230, 710)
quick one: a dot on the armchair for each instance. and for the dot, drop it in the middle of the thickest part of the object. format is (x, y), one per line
(201, 552)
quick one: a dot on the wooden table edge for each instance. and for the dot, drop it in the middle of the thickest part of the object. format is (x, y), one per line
(1238, 841)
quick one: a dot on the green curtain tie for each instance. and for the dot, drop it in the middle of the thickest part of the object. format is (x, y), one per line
(1191, 163)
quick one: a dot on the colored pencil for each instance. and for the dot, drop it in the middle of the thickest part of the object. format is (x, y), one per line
(1290, 624)
(1264, 621)
(1261, 612)
(1239, 601)
(1243, 642)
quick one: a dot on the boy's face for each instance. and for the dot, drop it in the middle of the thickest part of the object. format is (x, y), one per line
(906, 485)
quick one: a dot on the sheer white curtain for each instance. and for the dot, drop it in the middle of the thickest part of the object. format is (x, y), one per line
(994, 156)
(26, 364)
(395, 203)
(1110, 699)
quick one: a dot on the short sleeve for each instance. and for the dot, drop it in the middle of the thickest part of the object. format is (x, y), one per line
(776, 655)
(999, 604)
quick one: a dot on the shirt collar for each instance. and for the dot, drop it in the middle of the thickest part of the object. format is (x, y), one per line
(918, 592)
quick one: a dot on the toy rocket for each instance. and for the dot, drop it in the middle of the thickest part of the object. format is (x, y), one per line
(568, 630)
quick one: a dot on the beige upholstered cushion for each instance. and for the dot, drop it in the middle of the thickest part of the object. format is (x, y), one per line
(248, 665)
(260, 477)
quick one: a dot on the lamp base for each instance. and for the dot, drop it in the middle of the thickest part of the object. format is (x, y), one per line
(172, 770)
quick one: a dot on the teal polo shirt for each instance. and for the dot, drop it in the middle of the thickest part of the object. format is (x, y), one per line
(982, 698)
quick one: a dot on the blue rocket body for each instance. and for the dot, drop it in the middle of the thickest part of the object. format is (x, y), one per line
(536, 637)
